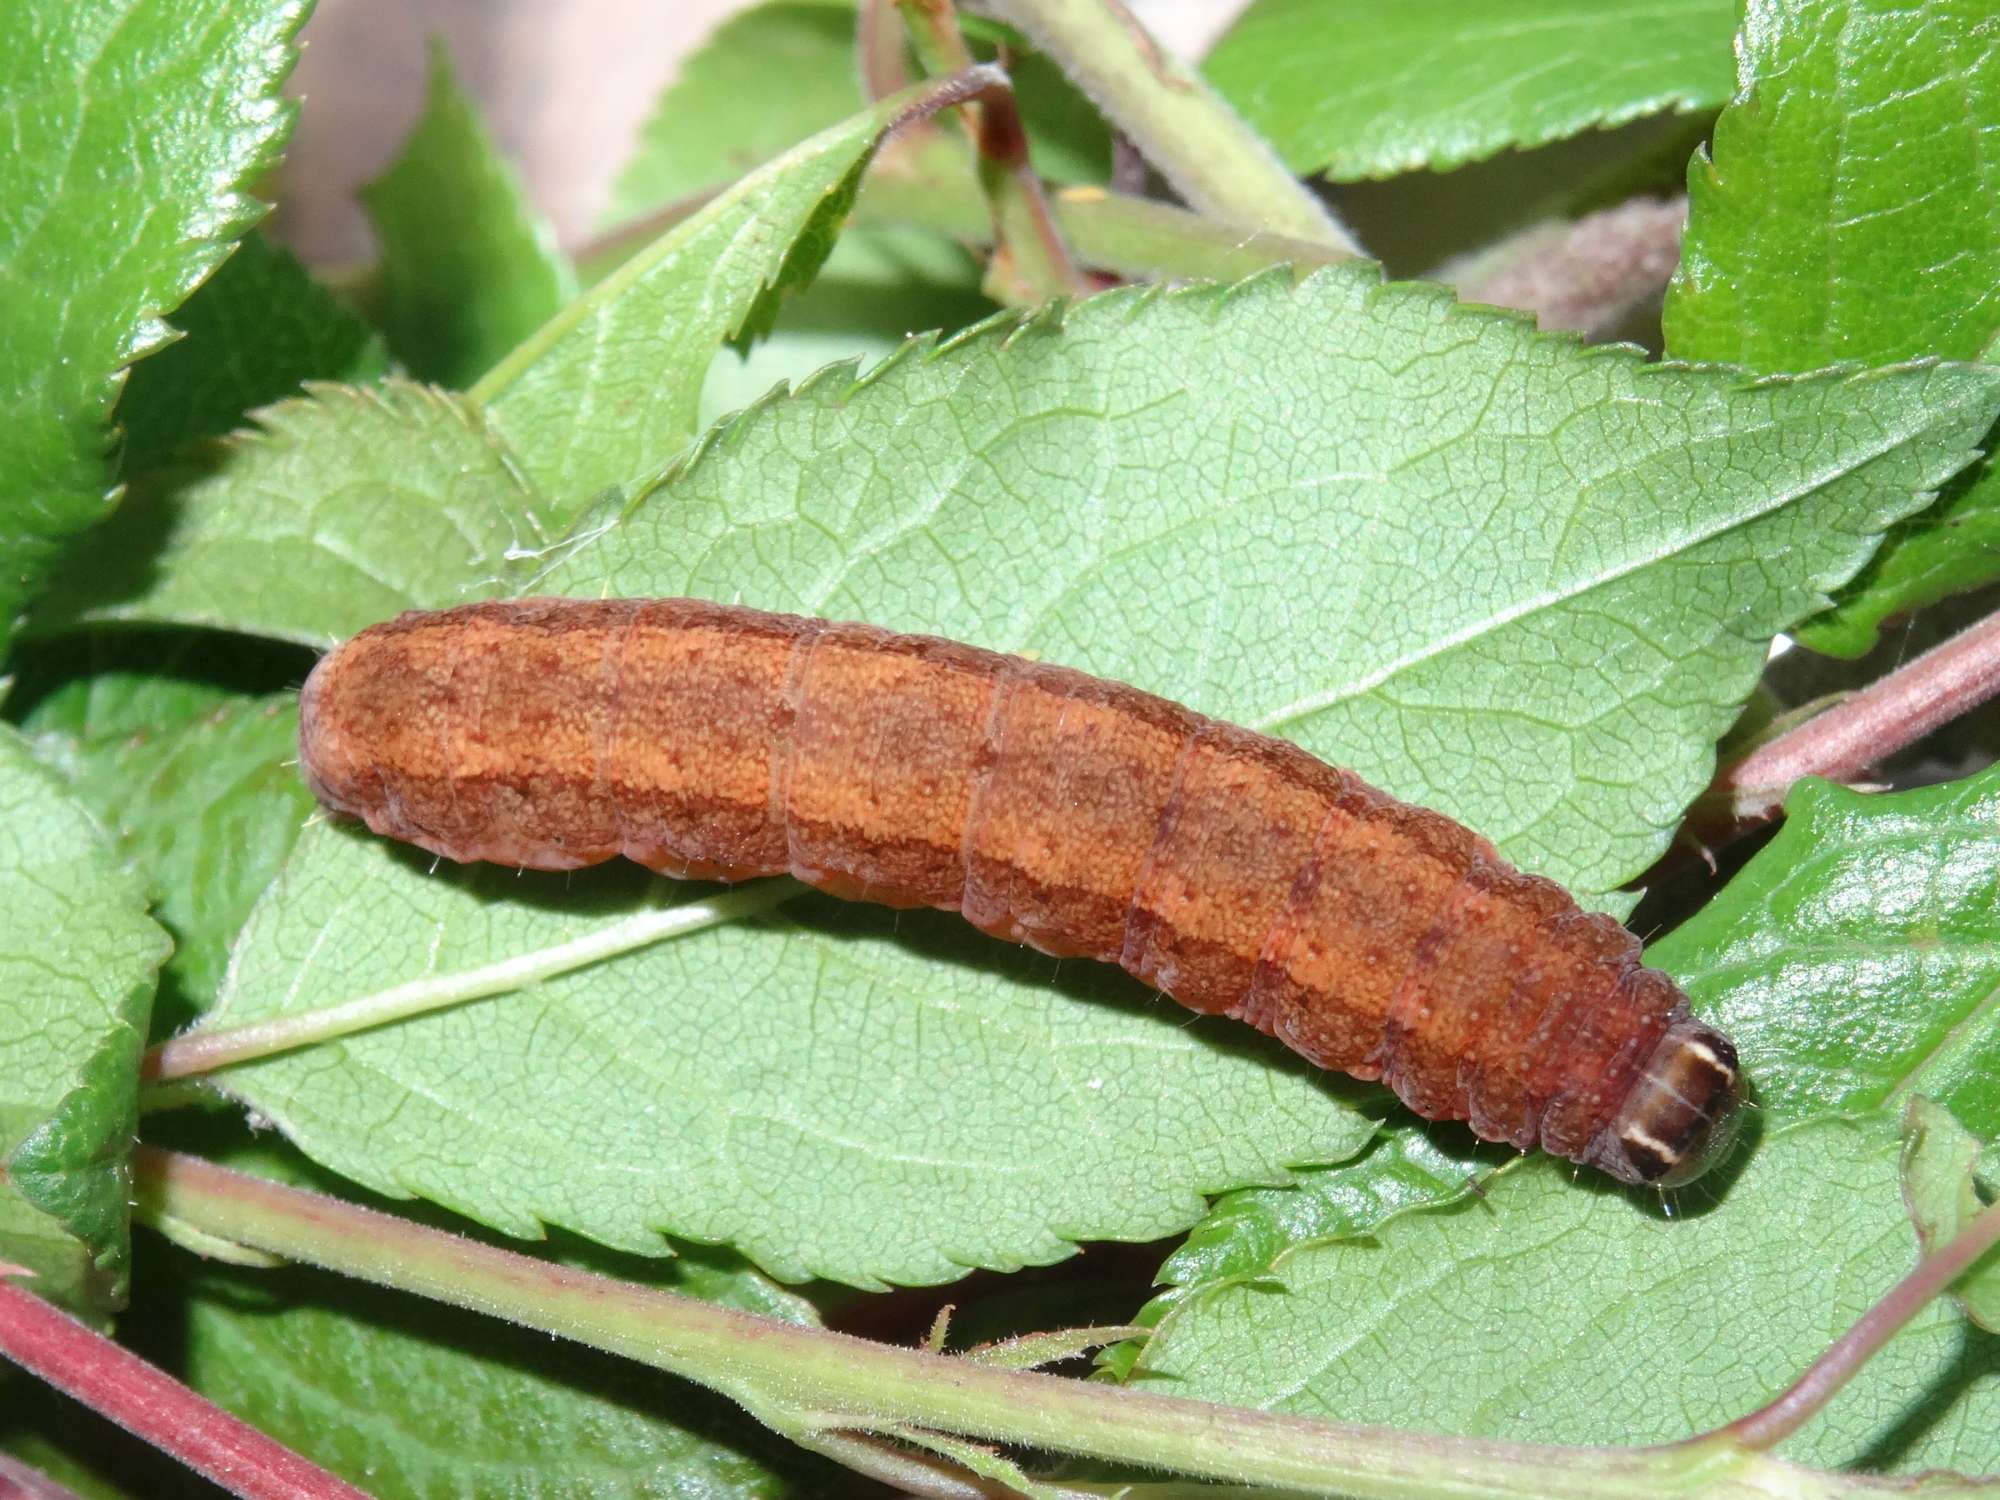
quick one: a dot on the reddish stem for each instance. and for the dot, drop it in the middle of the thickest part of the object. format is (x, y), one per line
(151, 1404)
(1029, 251)
(1770, 1425)
(1590, 277)
(1943, 684)
(19, 1482)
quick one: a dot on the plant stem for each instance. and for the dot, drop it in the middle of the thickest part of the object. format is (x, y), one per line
(1944, 683)
(920, 1474)
(206, 1050)
(878, 50)
(1771, 1424)
(929, 183)
(1215, 161)
(1589, 276)
(820, 1384)
(19, 1482)
(1030, 261)
(151, 1404)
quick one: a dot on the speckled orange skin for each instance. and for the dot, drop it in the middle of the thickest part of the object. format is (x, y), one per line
(1233, 871)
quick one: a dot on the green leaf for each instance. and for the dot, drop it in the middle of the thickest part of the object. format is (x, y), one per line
(706, 1087)
(610, 388)
(1944, 551)
(1355, 90)
(1407, 1166)
(765, 79)
(1555, 573)
(338, 510)
(878, 284)
(1545, 1313)
(1404, 1168)
(132, 127)
(206, 808)
(484, 1409)
(1940, 1158)
(253, 333)
(1856, 958)
(1522, 582)
(469, 268)
(77, 959)
(1864, 142)
(1860, 144)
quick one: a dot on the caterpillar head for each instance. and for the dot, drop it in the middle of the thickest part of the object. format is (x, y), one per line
(1682, 1113)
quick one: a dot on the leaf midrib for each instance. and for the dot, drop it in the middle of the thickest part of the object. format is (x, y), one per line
(1476, 630)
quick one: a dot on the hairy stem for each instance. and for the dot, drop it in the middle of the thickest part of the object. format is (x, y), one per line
(151, 1404)
(920, 1474)
(1590, 276)
(19, 1482)
(1212, 158)
(218, 1047)
(1030, 261)
(828, 1385)
(1948, 680)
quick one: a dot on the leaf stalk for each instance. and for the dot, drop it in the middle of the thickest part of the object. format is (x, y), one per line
(1030, 261)
(1201, 146)
(1771, 1424)
(206, 1050)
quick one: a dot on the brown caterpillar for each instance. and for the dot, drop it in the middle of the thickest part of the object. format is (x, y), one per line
(1233, 871)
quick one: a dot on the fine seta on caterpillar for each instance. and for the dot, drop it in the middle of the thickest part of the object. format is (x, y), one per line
(1233, 871)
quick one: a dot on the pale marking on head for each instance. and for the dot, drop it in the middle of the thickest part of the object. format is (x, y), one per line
(1638, 1135)
(1706, 1053)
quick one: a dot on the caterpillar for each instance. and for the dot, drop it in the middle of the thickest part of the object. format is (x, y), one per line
(1233, 871)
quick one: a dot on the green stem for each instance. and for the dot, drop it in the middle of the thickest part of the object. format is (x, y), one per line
(1214, 160)
(818, 1382)
(1030, 261)
(907, 1473)
(218, 1047)
(930, 183)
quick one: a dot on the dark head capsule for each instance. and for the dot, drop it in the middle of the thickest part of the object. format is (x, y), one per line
(1681, 1115)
